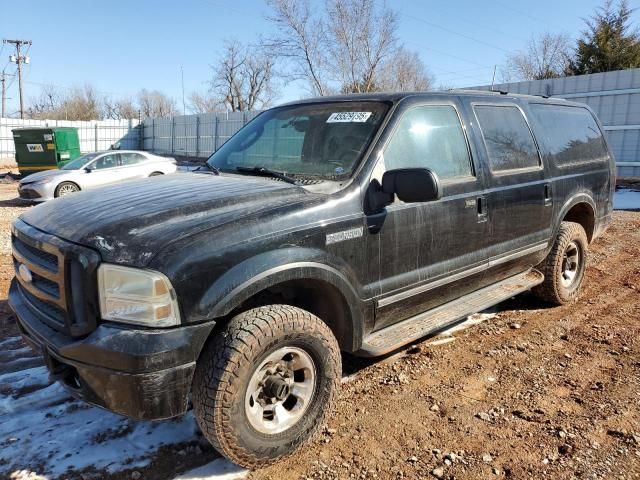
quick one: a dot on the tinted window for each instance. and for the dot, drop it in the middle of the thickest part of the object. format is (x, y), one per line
(106, 161)
(132, 158)
(507, 136)
(569, 134)
(429, 137)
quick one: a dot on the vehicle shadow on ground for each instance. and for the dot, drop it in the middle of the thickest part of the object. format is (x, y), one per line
(16, 202)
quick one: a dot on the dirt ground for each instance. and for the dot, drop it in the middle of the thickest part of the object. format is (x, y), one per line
(532, 392)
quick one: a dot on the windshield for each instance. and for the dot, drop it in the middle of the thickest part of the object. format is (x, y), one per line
(79, 162)
(319, 140)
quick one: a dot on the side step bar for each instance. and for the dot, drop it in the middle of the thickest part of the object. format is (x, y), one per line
(391, 338)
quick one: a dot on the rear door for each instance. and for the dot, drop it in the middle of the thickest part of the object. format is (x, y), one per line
(519, 196)
(135, 165)
(427, 254)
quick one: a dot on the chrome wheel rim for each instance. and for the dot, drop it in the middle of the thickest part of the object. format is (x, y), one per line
(66, 190)
(280, 390)
(570, 264)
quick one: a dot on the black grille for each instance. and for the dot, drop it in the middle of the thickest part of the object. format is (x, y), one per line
(38, 307)
(57, 279)
(44, 259)
(28, 194)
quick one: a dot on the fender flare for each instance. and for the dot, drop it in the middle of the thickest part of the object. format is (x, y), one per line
(568, 205)
(258, 273)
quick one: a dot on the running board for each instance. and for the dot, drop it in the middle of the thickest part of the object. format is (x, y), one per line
(391, 338)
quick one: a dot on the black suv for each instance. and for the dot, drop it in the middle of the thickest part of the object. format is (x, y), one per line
(353, 223)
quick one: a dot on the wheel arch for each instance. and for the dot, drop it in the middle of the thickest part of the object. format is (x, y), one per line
(580, 209)
(318, 288)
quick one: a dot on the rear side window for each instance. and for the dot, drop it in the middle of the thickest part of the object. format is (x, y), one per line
(570, 135)
(132, 158)
(430, 137)
(509, 142)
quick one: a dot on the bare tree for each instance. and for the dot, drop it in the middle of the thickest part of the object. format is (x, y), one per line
(548, 56)
(119, 109)
(155, 104)
(76, 104)
(203, 103)
(345, 46)
(243, 79)
(302, 39)
(46, 105)
(404, 71)
(363, 36)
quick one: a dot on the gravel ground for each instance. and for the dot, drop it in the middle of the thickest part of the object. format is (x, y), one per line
(530, 392)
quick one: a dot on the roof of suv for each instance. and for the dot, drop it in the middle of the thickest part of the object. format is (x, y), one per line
(396, 97)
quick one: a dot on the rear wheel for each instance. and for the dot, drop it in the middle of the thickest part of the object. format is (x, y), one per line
(266, 384)
(65, 188)
(155, 174)
(565, 265)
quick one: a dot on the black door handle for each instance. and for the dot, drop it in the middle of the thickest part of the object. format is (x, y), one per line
(481, 203)
(547, 195)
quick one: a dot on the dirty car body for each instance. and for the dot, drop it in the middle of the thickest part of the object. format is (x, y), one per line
(94, 170)
(388, 217)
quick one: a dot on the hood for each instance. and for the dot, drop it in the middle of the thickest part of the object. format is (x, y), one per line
(34, 177)
(132, 222)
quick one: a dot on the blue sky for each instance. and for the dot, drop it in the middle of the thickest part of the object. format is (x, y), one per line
(121, 46)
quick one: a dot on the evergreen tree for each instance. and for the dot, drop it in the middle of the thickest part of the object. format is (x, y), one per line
(608, 43)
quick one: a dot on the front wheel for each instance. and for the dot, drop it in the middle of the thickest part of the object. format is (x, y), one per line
(65, 188)
(565, 265)
(266, 383)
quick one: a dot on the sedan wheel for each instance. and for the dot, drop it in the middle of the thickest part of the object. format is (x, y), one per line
(65, 188)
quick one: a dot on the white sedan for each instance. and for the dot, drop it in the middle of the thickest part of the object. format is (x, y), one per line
(94, 170)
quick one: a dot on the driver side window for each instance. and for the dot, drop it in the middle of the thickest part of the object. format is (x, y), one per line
(430, 136)
(107, 161)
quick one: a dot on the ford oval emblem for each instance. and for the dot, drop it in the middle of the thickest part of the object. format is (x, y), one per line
(25, 273)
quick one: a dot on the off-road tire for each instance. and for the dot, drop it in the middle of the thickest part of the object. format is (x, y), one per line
(226, 365)
(62, 186)
(552, 290)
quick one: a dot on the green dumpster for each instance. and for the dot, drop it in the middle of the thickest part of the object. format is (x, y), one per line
(40, 149)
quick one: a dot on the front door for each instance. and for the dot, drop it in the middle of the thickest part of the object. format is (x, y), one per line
(104, 170)
(429, 253)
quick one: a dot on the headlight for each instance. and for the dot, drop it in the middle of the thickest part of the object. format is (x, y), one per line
(132, 295)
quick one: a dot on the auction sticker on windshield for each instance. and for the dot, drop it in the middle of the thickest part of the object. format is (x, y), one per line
(359, 117)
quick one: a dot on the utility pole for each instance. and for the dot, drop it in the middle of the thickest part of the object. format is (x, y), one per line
(19, 59)
(3, 80)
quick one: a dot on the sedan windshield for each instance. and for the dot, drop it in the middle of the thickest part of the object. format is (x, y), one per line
(79, 162)
(324, 140)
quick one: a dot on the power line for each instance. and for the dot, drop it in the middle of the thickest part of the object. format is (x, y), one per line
(454, 32)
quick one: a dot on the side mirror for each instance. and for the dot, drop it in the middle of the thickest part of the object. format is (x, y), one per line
(412, 184)
(88, 170)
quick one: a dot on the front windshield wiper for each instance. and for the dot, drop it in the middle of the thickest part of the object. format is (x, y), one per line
(215, 170)
(265, 171)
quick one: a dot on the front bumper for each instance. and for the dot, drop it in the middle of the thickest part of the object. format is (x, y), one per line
(36, 192)
(141, 373)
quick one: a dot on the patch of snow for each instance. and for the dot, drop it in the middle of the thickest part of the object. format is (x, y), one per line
(471, 320)
(219, 469)
(625, 199)
(48, 427)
